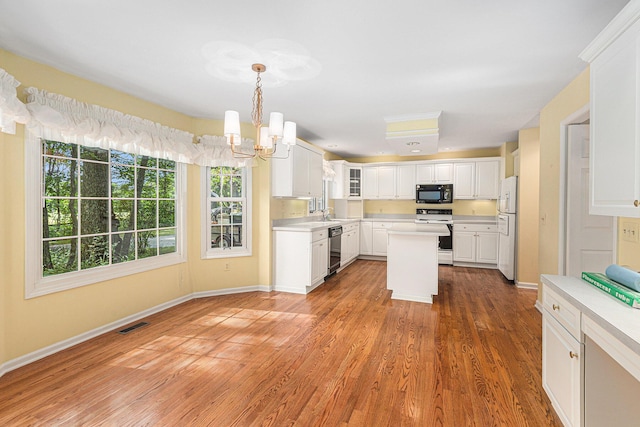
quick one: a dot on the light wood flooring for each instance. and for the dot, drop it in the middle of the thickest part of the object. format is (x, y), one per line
(344, 355)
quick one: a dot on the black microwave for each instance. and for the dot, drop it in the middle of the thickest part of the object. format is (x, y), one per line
(434, 193)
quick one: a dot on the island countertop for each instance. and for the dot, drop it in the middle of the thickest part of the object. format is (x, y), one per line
(419, 229)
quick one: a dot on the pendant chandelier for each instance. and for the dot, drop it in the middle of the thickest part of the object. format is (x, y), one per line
(267, 137)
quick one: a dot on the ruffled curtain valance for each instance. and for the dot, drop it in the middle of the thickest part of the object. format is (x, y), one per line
(60, 118)
(12, 110)
(214, 151)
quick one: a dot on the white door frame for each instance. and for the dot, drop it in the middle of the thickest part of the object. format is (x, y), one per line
(578, 116)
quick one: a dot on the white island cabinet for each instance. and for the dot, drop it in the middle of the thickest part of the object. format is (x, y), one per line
(412, 261)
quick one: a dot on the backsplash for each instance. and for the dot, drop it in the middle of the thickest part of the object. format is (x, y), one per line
(459, 207)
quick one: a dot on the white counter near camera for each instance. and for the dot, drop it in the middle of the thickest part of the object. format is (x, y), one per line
(412, 261)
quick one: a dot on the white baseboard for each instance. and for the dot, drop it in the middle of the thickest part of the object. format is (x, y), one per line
(527, 285)
(70, 342)
(538, 305)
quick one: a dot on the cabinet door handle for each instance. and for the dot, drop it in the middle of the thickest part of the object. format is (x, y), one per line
(573, 355)
(636, 203)
(556, 307)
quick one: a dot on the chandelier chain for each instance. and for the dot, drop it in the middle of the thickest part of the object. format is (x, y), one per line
(256, 112)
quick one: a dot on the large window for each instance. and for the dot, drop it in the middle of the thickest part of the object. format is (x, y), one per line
(104, 214)
(227, 211)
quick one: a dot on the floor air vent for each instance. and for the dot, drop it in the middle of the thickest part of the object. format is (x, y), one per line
(133, 327)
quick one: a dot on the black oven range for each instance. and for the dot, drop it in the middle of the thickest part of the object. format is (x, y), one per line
(439, 216)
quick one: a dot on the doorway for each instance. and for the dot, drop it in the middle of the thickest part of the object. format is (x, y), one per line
(589, 240)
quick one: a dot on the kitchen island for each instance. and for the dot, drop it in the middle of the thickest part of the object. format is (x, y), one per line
(412, 261)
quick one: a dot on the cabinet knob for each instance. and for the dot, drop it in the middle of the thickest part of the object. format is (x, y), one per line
(636, 203)
(556, 307)
(573, 355)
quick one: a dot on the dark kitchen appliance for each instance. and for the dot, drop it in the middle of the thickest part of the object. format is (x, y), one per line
(434, 193)
(445, 243)
(335, 247)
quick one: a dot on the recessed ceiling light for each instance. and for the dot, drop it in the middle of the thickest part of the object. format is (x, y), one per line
(416, 151)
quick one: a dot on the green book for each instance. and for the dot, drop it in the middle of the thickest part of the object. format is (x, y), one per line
(614, 289)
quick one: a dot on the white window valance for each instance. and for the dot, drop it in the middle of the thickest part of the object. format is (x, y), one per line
(327, 170)
(12, 110)
(214, 151)
(64, 119)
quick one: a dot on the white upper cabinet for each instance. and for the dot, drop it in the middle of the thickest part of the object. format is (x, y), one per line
(389, 182)
(487, 179)
(615, 116)
(476, 180)
(406, 182)
(299, 175)
(434, 173)
(347, 182)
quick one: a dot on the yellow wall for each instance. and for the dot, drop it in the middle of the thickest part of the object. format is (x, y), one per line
(28, 325)
(569, 100)
(459, 207)
(628, 252)
(5, 214)
(528, 206)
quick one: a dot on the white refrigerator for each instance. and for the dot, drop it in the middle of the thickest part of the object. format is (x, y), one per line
(507, 219)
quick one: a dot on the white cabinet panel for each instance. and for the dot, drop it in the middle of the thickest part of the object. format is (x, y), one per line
(386, 182)
(366, 238)
(464, 248)
(379, 242)
(464, 180)
(299, 175)
(476, 180)
(487, 247)
(300, 260)
(475, 243)
(389, 182)
(370, 183)
(487, 179)
(615, 131)
(406, 182)
(320, 261)
(434, 173)
(562, 370)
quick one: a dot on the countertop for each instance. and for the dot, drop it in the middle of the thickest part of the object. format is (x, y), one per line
(474, 219)
(620, 320)
(313, 225)
(419, 229)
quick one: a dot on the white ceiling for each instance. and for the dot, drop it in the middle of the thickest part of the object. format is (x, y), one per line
(489, 66)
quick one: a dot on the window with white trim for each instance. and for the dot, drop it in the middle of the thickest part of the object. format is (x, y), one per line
(103, 213)
(226, 211)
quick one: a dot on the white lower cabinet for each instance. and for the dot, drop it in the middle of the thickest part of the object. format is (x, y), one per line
(366, 238)
(350, 243)
(562, 358)
(379, 239)
(301, 259)
(475, 243)
(373, 237)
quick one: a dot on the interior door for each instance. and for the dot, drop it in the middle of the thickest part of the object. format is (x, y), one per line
(590, 238)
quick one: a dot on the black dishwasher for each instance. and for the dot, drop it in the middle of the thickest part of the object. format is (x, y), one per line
(335, 246)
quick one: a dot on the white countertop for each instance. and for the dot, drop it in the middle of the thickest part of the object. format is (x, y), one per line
(419, 229)
(313, 225)
(617, 318)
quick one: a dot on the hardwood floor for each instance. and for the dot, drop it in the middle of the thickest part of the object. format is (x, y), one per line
(346, 354)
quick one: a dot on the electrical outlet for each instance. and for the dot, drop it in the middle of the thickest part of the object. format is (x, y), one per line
(227, 266)
(630, 232)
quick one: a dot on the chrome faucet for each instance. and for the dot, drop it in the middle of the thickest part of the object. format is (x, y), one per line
(326, 213)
